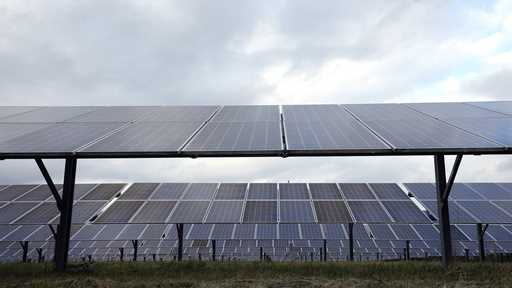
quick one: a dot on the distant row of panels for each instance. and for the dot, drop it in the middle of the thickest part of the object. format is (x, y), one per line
(301, 130)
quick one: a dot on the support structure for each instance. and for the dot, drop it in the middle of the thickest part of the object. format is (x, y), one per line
(480, 230)
(64, 228)
(179, 230)
(135, 244)
(24, 248)
(121, 254)
(443, 190)
(351, 241)
(407, 250)
(40, 258)
(214, 248)
(325, 251)
(261, 253)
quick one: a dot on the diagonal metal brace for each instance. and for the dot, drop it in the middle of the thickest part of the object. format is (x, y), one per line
(49, 182)
(451, 180)
(54, 233)
(485, 228)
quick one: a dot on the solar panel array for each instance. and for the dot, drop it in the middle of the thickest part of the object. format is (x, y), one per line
(307, 130)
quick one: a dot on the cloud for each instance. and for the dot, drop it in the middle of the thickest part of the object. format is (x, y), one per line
(240, 52)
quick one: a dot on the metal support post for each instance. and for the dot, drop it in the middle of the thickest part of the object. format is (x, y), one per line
(135, 244)
(325, 251)
(121, 254)
(261, 253)
(179, 229)
(39, 255)
(63, 232)
(154, 257)
(312, 256)
(351, 241)
(480, 229)
(408, 250)
(443, 192)
(24, 248)
(214, 248)
(466, 254)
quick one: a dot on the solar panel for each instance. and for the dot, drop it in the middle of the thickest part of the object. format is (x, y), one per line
(103, 192)
(14, 210)
(405, 212)
(293, 191)
(153, 231)
(496, 129)
(10, 131)
(200, 191)
(40, 193)
(131, 232)
(296, 212)
(356, 191)
(21, 233)
(252, 113)
(6, 111)
(422, 190)
(463, 192)
(41, 234)
(311, 231)
(498, 106)
(87, 232)
(147, 136)
(139, 191)
(360, 232)
(58, 138)
(457, 214)
(6, 229)
(368, 212)
(266, 231)
(405, 128)
(260, 212)
(83, 211)
(289, 231)
(324, 191)
(48, 114)
(248, 136)
(110, 232)
(334, 231)
(485, 212)
(405, 232)
(382, 232)
(179, 114)
(262, 191)
(189, 212)
(81, 190)
(119, 212)
(332, 212)
(225, 212)
(244, 231)
(14, 191)
(222, 231)
(154, 212)
(200, 231)
(504, 205)
(454, 110)
(328, 127)
(169, 191)
(491, 191)
(231, 191)
(388, 191)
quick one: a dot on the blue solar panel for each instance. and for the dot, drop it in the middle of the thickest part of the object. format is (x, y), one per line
(491, 191)
(296, 212)
(454, 110)
(485, 212)
(293, 191)
(382, 232)
(244, 231)
(388, 191)
(405, 212)
(422, 190)
(262, 191)
(368, 212)
(405, 232)
(457, 214)
(200, 231)
(324, 191)
(334, 231)
(311, 231)
(266, 231)
(289, 231)
(462, 192)
(355, 191)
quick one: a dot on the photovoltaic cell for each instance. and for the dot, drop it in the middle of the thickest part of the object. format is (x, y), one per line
(189, 212)
(490, 191)
(222, 231)
(200, 191)
(41, 193)
(61, 137)
(368, 212)
(252, 113)
(498, 233)
(147, 136)
(21, 233)
(356, 191)
(14, 191)
(405, 232)
(225, 212)
(260, 212)
(10, 131)
(179, 114)
(485, 212)
(42, 234)
(14, 210)
(311, 231)
(266, 231)
(87, 232)
(505, 205)
(296, 212)
(103, 192)
(454, 110)
(119, 212)
(154, 212)
(231, 191)
(422, 190)
(388, 191)
(83, 211)
(200, 231)
(289, 231)
(139, 191)
(334, 231)
(131, 232)
(48, 114)
(169, 191)
(463, 192)
(427, 232)
(110, 232)
(405, 212)
(267, 191)
(495, 129)
(324, 191)
(6, 111)
(248, 136)
(115, 114)
(382, 232)
(498, 106)
(153, 231)
(457, 214)
(332, 212)
(293, 191)
(82, 189)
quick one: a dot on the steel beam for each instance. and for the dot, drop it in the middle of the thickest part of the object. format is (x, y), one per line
(407, 250)
(39, 255)
(63, 232)
(135, 244)
(325, 251)
(214, 250)
(24, 248)
(480, 230)
(121, 254)
(179, 229)
(442, 209)
(49, 182)
(351, 241)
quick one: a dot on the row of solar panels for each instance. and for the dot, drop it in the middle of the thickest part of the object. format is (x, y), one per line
(258, 203)
(192, 131)
(125, 232)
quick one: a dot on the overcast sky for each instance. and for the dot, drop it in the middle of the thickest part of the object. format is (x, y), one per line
(255, 52)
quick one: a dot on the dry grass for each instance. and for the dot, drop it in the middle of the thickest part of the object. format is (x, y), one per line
(255, 274)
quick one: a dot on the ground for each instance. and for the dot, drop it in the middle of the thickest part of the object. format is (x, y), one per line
(255, 274)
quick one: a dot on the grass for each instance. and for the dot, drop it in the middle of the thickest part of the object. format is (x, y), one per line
(255, 274)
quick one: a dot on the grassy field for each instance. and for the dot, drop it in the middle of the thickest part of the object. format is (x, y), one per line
(248, 274)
